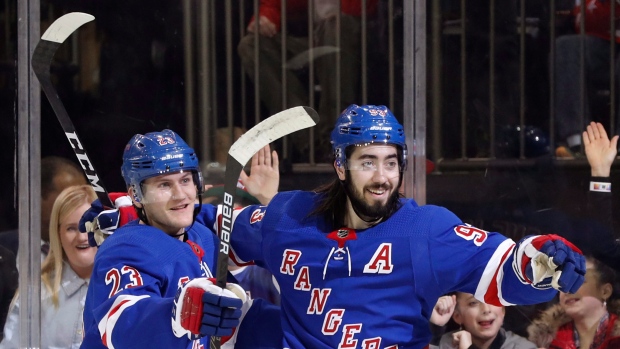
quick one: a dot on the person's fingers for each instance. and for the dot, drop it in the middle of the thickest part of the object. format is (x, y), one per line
(590, 130)
(598, 130)
(254, 160)
(614, 142)
(267, 155)
(261, 156)
(275, 162)
(586, 137)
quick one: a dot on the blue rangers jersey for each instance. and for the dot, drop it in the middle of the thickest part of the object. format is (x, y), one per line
(372, 288)
(135, 278)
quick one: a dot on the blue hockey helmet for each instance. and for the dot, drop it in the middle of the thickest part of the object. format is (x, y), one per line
(367, 124)
(158, 153)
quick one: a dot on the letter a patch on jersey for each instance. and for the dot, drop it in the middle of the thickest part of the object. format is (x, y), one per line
(381, 261)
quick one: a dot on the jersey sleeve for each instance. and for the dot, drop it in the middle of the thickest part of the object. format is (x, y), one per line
(600, 238)
(468, 259)
(246, 233)
(128, 308)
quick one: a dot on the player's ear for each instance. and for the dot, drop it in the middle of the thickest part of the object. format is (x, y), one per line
(339, 171)
(606, 290)
(457, 317)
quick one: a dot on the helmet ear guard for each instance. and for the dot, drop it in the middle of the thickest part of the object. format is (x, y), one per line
(367, 124)
(136, 196)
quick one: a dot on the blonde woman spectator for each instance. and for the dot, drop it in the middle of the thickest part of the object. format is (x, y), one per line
(586, 319)
(65, 274)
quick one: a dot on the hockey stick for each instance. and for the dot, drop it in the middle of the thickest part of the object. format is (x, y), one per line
(41, 61)
(265, 132)
(303, 59)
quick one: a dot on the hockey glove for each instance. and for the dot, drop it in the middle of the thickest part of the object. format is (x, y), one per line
(550, 260)
(100, 222)
(203, 309)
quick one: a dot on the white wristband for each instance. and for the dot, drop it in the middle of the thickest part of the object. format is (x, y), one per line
(600, 186)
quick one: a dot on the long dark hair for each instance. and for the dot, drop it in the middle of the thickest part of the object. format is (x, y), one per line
(333, 202)
(606, 274)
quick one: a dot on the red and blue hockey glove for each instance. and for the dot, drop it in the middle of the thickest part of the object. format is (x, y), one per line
(549, 260)
(203, 309)
(100, 222)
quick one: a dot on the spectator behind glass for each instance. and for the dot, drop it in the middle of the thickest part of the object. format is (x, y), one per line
(480, 325)
(568, 112)
(586, 319)
(8, 283)
(65, 275)
(325, 34)
(57, 173)
(601, 153)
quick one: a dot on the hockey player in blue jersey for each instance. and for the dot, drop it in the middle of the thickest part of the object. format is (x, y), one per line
(360, 267)
(151, 286)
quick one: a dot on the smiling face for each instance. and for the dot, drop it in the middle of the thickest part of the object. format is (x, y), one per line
(168, 201)
(79, 254)
(482, 320)
(373, 179)
(588, 300)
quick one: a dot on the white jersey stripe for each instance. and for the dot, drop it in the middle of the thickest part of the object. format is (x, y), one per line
(493, 272)
(106, 325)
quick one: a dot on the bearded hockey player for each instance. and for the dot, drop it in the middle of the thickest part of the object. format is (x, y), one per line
(360, 267)
(152, 285)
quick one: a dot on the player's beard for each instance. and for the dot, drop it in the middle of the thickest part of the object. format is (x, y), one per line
(371, 212)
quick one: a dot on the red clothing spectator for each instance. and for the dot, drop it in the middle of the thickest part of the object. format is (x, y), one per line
(597, 18)
(297, 10)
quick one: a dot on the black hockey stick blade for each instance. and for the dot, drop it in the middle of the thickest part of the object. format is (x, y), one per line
(265, 132)
(41, 61)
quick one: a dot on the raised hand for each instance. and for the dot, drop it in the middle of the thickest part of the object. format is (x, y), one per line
(264, 178)
(461, 339)
(600, 151)
(443, 310)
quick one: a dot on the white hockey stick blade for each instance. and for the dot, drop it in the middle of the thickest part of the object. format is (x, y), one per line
(64, 26)
(303, 59)
(271, 129)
